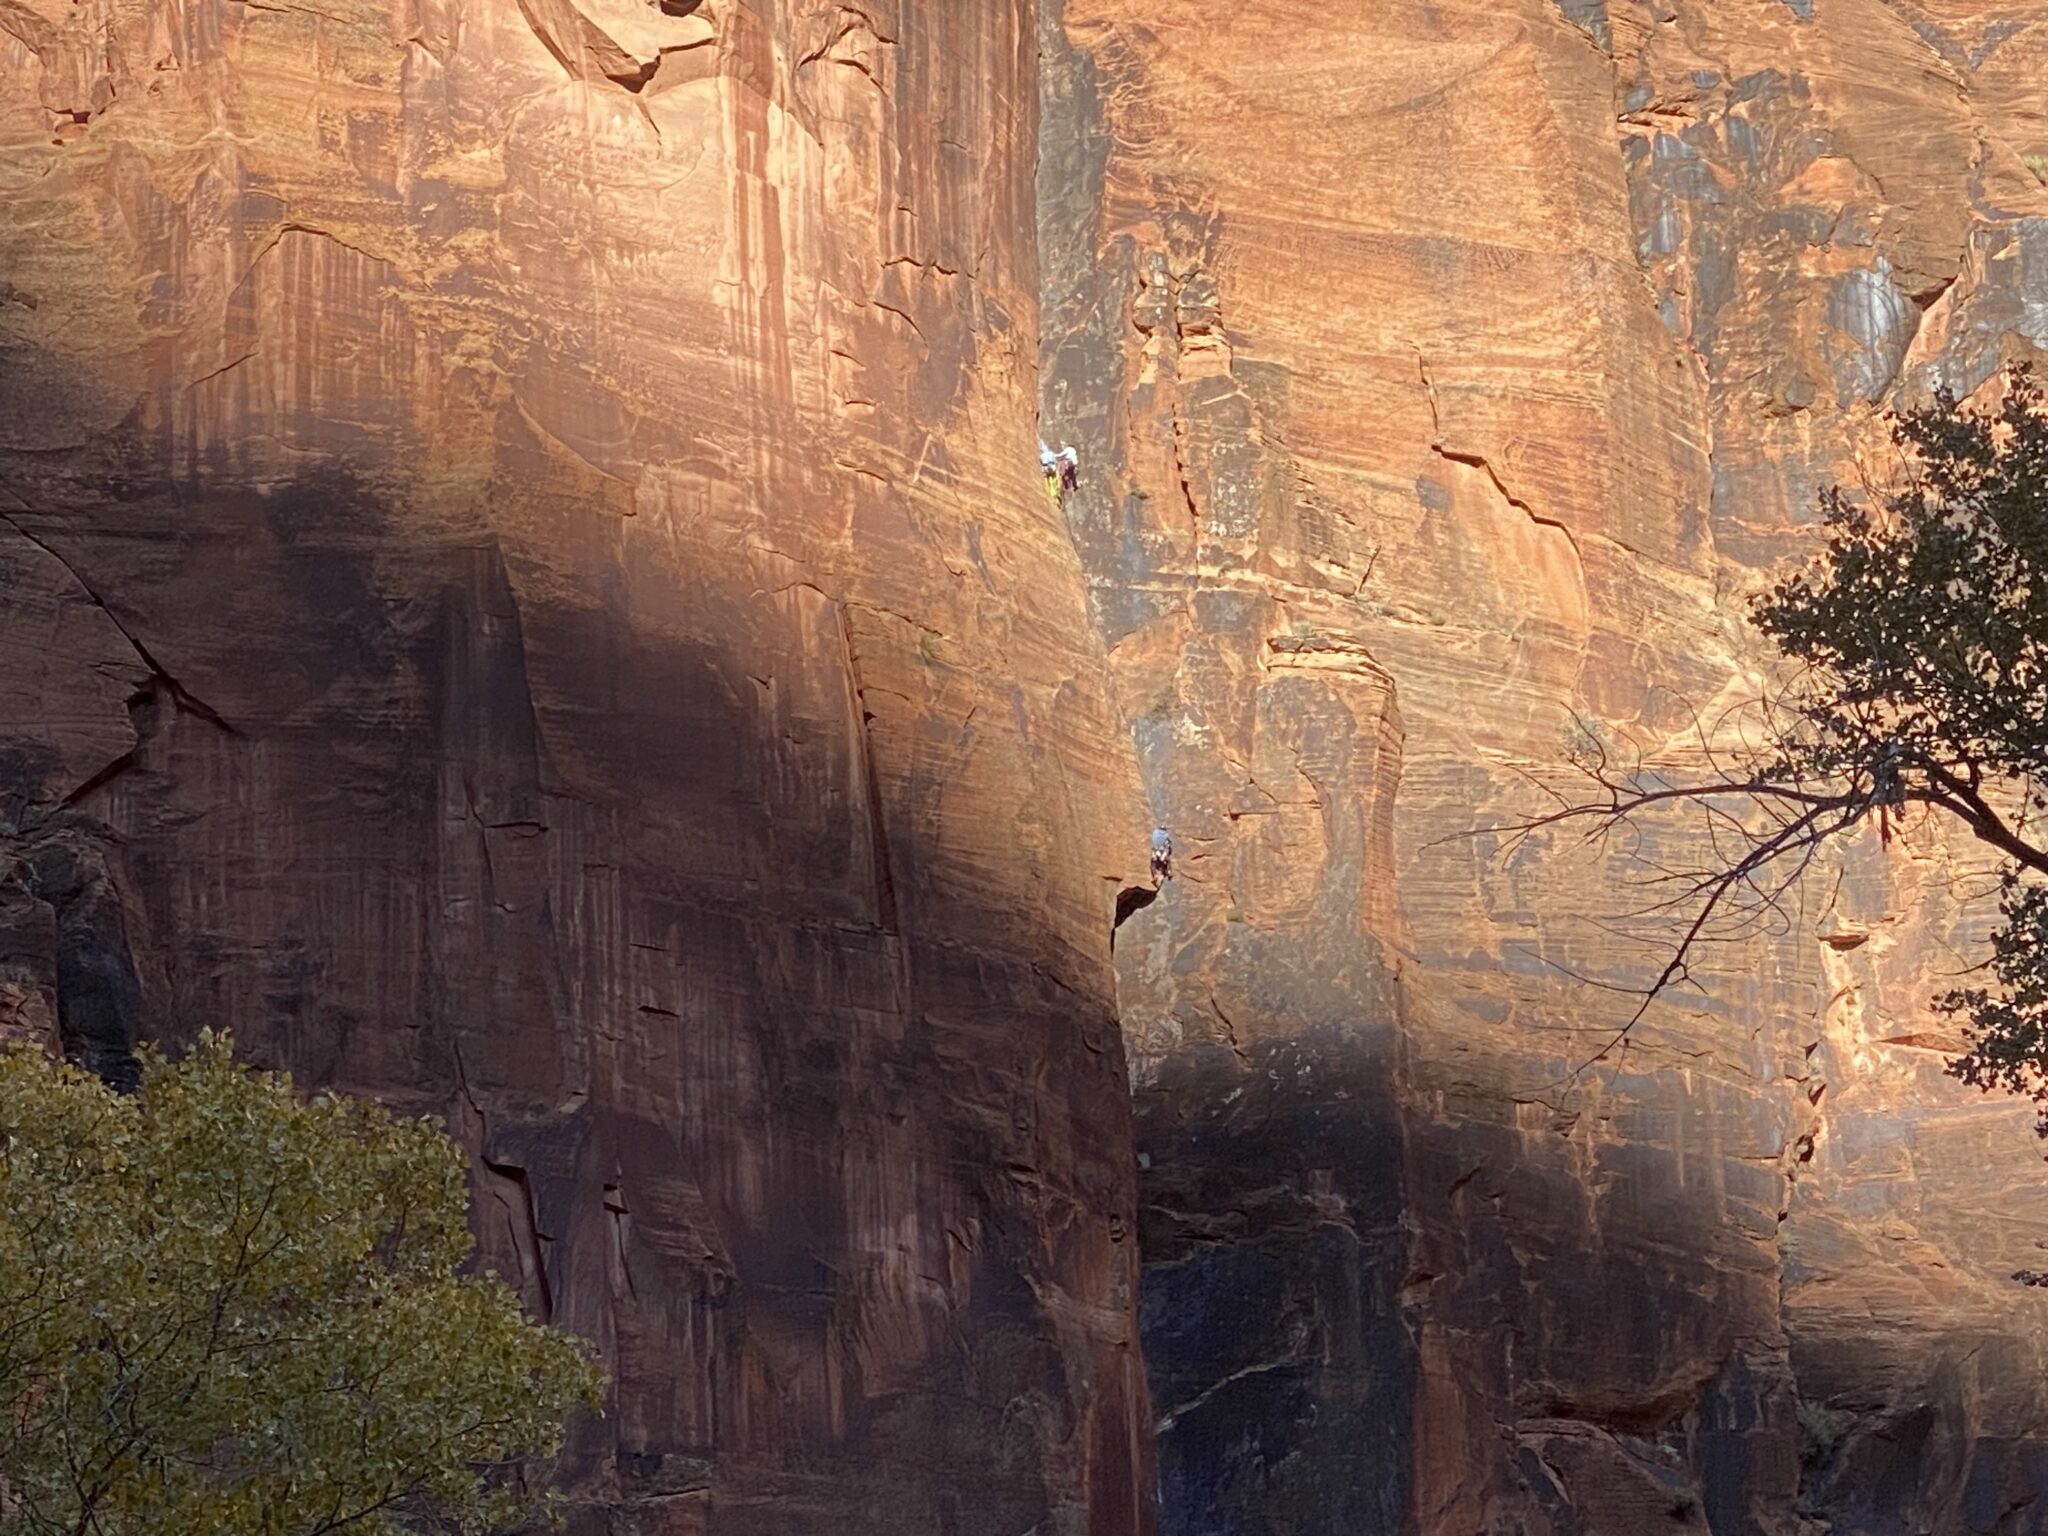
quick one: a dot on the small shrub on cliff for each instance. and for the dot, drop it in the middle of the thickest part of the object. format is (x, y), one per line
(225, 1310)
(1917, 683)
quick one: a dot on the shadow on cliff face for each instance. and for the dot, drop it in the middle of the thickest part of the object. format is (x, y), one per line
(99, 1002)
(67, 828)
(66, 972)
(1281, 1365)
(636, 889)
(1130, 901)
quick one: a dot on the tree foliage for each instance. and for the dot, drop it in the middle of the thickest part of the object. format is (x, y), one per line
(1916, 652)
(224, 1309)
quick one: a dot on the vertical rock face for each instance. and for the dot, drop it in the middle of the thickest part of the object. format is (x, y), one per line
(1444, 374)
(524, 589)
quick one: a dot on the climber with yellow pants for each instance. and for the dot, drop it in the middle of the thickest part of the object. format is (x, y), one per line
(1062, 471)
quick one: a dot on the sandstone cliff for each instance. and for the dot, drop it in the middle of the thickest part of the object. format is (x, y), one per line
(526, 591)
(1444, 371)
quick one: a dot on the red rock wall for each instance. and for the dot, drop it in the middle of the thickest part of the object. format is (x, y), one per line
(1441, 371)
(527, 591)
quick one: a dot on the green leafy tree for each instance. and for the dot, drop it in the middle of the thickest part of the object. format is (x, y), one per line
(230, 1311)
(1916, 675)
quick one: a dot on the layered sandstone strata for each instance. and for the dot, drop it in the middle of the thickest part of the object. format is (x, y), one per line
(1445, 373)
(524, 589)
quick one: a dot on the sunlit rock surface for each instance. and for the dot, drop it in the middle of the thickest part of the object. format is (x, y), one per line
(1443, 372)
(524, 588)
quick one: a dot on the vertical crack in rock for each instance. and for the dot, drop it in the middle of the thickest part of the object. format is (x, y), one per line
(1255, 990)
(513, 1190)
(872, 809)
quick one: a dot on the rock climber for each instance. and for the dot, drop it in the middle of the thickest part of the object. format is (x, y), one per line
(1062, 471)
(1162, 854)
